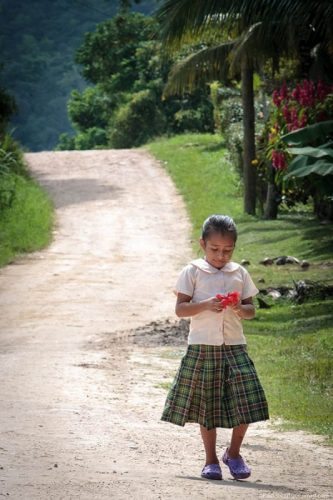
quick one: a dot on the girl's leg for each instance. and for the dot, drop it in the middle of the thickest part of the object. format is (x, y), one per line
(209, 441)
(237, 437)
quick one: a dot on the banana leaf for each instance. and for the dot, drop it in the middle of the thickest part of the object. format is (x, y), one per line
(319, 152)
(302, 166)
(309, 134)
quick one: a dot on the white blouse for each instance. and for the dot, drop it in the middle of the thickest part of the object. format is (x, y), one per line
(202, 281)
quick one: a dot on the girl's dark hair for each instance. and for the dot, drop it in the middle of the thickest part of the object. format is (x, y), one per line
(222, 224)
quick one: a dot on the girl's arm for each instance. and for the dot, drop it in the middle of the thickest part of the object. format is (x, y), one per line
(185, 308)
(245, 309)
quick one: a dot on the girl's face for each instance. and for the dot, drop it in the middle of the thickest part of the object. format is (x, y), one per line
(218, 249)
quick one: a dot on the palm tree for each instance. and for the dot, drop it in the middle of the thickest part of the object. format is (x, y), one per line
(267, 29)
(179, 24)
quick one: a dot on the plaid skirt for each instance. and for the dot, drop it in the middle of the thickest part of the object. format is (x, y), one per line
(216, 386)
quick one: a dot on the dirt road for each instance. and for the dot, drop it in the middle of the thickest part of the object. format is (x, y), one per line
(81, 398)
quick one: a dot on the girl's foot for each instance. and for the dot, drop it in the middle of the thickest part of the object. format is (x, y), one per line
(238, 468)
(212, 471)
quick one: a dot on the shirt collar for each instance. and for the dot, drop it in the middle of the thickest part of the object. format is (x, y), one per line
(205, 266)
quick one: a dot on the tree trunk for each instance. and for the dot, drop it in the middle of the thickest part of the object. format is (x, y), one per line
(272, 198)
(249, 138)
(271, 205)
(322, 207)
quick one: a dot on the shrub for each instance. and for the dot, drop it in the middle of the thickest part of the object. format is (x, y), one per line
(66, 142)
(7, 185)
(137, 121)
(231, 112)
(305, 104)
(193, 113)
(92, 138)
(11, 167)
(12, 156)
(234, 144)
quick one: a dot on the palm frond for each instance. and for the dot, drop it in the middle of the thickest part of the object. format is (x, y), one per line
(246, 45)
(313, 17)
(180, 17)
(306, 18)
(253, 44)
(205, 66)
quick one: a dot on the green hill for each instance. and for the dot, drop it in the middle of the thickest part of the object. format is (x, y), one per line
(38, 40)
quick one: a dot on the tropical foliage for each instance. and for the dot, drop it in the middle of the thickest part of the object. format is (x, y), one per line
(123, 59)
(297, 119)
(264, 30)
(308, 102)
(311, 160)
(11, 157)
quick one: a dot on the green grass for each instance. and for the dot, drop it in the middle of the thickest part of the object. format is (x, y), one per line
(25, 226)
(196, 164)
(290, 344)
(208, 183)
(292, 349)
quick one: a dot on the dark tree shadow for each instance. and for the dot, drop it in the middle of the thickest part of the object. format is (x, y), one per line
(65, 192)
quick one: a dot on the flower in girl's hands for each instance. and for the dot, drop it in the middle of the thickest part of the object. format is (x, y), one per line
(229, 299)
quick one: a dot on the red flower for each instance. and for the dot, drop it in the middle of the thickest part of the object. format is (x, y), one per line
(296, 92)
(278, 160)
(286, 113)
(230, 299)
(284, 92)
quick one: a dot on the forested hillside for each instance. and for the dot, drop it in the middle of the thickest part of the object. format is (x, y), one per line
(38, 40)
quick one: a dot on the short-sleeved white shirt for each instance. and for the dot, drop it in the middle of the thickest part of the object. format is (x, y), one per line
(201, 281)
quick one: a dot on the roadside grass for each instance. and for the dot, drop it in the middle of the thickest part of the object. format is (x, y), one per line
(290, 344)
(292, 349)
(27, 224)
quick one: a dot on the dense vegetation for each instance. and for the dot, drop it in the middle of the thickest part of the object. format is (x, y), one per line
(124, 60)
(26, 213)
(38, 40)
(290, 343)
(248, 36)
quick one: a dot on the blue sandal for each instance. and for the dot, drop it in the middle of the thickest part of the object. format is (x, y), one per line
(238, 468)
(212, 471)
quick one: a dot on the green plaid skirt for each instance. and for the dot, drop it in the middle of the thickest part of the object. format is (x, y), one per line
(216, 386)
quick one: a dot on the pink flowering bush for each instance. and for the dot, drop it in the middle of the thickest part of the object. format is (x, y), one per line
(293, 108)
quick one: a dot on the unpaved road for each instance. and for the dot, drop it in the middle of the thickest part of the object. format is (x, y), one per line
(80, 401)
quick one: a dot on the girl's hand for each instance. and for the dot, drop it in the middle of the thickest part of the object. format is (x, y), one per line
(213, 304)
(186, 308)
(244, 309)
(237, 308)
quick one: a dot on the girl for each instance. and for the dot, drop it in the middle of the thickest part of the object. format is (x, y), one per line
(216, 384)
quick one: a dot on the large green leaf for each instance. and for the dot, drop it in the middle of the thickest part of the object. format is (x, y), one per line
(320, 152)
(302, 166)
(309, 134)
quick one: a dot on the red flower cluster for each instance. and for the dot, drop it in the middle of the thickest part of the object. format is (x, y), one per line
(306, 103)
(301, 103)
(279, 160)
(230, 299)
(279, 96)
(308, 94)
